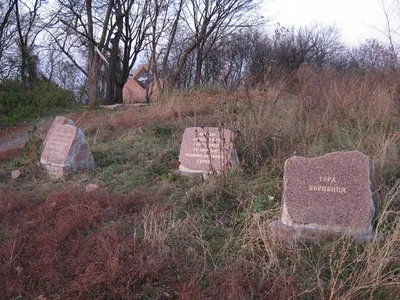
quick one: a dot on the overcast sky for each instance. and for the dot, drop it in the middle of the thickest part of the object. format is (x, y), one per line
(355, 18)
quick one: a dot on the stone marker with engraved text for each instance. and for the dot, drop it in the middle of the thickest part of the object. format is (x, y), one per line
(327, 194)
(206, 150)
(65, 149)
(140, 87)
(59, 120)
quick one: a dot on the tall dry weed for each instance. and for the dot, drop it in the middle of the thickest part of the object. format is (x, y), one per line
(330, 101)
(182, 238)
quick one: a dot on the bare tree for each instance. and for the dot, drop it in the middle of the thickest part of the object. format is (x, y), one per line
(112, 33)
(136, 25)
(171, 35)
(390, 23)
(202, 20)
(86, 24)
(21, 26)
(314, 45)
(6, 33)
(28, 26)
(165, 17)
(373, 56)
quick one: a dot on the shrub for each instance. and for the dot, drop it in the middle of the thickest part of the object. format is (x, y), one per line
(18, 104)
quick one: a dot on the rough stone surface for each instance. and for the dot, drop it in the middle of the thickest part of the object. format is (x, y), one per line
(331, 193)
(65, 150)
(138, 87)
(206, 150)
(15, 174)
(59, 120)
(91, 187)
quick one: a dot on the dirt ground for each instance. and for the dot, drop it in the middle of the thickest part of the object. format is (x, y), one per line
(12, 140)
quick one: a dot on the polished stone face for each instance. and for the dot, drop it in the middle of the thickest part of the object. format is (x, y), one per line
(332, 192)
(143, 78)
(138, 88)
(59, 120)
(59, 144)
(206, 148)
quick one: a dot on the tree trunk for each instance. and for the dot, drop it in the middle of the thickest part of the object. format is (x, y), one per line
(111, 82)
(112, 73)
(23, 49)
(165, 72)
(92, 59)
(92, 81)
(199, 65)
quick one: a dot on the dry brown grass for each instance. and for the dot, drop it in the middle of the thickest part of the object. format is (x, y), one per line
(10, 153)
(160, 236)
(175, 107)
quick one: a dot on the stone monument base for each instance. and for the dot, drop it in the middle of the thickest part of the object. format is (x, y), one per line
(187, 171)
(183, 171)
(301, 234)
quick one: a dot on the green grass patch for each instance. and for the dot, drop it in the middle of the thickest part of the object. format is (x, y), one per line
(18, 104)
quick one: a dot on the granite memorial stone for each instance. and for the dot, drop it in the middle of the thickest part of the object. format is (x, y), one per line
(138, 87)
(327, 194)
(65, 149)
(59, 120)
(206, 150)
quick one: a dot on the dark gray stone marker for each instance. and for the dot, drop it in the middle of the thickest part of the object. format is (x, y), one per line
(330, 194)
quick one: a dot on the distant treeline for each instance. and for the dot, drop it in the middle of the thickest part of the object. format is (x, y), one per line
(91, 47)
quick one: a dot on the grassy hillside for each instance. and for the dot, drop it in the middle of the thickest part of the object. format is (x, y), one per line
(151, 234)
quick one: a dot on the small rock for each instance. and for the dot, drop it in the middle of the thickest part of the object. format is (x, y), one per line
(91, 187)
(19, 270)
(15, 174)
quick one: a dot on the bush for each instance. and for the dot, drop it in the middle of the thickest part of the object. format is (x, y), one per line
(17, 104)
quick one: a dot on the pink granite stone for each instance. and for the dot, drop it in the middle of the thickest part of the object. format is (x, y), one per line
(65, 151)
(59, 120)
(140, 87)
(59, 144)
(331, 193)
(15, 174)
(206, 149)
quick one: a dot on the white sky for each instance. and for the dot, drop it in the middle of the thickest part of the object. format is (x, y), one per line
(355, 18)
